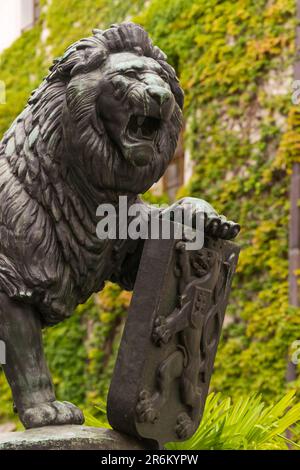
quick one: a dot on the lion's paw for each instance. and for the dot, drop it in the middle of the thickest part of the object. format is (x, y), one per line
(161, 333)
(218, 226)
(145, 409)
(215, 225)
(185, 426)
(52, 413)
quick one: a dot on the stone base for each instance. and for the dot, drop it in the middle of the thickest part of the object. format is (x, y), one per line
(69, 437)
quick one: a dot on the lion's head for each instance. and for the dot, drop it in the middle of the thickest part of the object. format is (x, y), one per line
(113, 105)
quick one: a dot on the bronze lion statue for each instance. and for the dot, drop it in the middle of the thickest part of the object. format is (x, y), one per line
(103, 123)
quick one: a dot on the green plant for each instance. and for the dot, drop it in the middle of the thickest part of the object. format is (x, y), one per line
(100, 420)
(246, 424)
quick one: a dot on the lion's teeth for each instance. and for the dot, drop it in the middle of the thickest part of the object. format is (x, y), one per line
(140, 120)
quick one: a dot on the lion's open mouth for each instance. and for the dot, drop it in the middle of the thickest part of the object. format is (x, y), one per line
(143, 127)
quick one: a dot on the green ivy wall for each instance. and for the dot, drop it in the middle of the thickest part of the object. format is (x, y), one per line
(234, 60)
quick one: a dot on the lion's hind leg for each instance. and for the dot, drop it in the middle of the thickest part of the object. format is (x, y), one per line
(26, 369)
(149, 406)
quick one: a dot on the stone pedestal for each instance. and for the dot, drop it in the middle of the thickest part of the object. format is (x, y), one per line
(69, 437)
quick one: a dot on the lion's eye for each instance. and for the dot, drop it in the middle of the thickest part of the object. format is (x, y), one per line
(130, 74)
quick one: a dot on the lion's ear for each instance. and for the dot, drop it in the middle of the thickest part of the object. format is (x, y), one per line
(81, 57)
(97, 32)
(159, 54)
(92, 59)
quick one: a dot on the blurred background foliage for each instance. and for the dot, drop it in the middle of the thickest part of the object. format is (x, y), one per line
(234, 60)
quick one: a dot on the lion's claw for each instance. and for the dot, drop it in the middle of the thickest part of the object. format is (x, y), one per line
(219, 226)
(212, 225)
(145, 409)
(161, 333)
(185, 426)
(234, 230)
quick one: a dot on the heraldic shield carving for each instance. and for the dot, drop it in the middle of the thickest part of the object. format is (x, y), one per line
(166, 357)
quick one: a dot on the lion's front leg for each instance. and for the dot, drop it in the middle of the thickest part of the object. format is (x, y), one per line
(26, 369)
(166, 327)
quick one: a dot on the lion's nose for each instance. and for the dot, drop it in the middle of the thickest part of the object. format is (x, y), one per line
(159, 94)
(164, 99)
